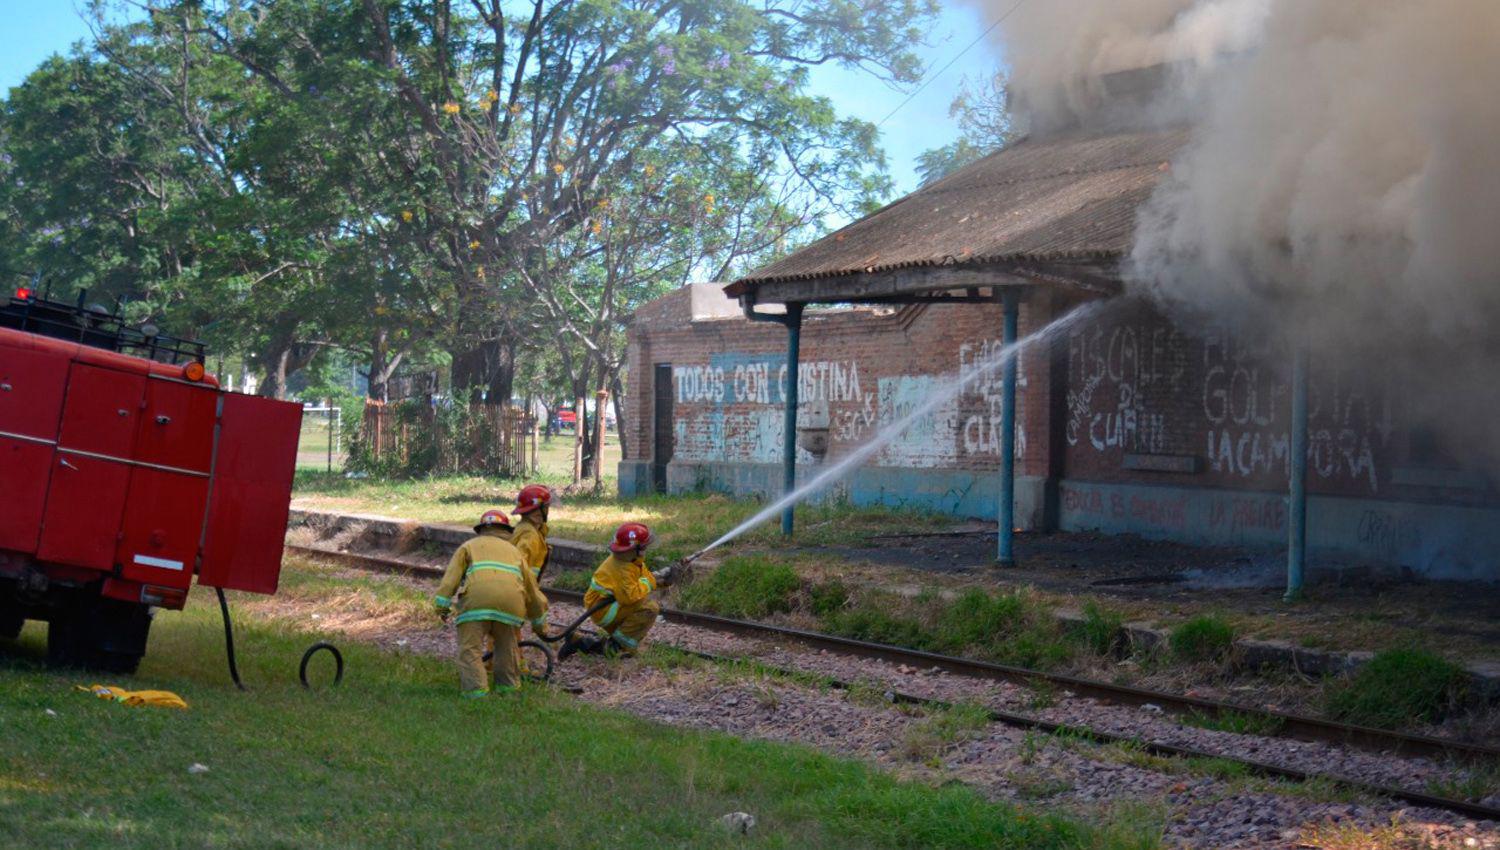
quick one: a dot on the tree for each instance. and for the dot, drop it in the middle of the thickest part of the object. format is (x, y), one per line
(491, 135)
(984, 125)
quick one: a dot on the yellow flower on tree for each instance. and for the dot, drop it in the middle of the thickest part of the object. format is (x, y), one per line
(648, 170)
(557, 168)
(451, 108)
(406, 215)
(479, 272)
(598, 227)
(474, 246)
(515, 108)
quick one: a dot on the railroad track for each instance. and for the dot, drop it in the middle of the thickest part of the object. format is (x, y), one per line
(1285, 725)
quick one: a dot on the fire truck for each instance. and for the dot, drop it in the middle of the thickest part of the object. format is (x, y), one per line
(125, 470)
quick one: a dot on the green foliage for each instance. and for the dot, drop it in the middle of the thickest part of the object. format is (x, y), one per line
(828, 597)
(745, 586)
(1012, 628)
(1238, 722)
(1207, 637)
(928, 738)
(876, 625)
(1102, 629)
(414, 182)
(1397, 688)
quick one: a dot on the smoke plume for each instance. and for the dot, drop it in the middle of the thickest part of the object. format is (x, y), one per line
(1342, 187)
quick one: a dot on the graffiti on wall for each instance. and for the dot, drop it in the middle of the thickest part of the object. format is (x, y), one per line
(1112, 372)
(1144, 387)
(730, 408)
(983, 398)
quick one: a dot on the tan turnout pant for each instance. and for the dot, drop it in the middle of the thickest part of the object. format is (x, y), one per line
(473, 678)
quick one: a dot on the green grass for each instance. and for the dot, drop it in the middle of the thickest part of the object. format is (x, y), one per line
(1102, 629)
(682, 524)
(743, 586)
(1397, 688)
(1014, 627)
(394, 759)
(1207, 637)
(1238, 722)
(928, 738)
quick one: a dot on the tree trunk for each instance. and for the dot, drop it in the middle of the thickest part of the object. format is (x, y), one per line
(284, 358)
(617, 398)
(489, 367)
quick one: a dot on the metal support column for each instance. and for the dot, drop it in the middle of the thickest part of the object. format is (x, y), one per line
(789, 439)
(1296, 548)
(1007, 518)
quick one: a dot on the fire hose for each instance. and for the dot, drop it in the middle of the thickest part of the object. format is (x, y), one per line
(567, 632)
(321, 646)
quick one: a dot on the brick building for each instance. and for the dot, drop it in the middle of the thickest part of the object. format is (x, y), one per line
(1124, 422)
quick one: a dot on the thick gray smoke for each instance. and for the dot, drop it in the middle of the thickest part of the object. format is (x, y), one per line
(1343, 182)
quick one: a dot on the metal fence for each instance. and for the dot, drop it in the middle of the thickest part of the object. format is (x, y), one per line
(486, 439)
(321, 443)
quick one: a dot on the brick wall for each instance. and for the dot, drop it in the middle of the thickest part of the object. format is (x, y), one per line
(864, 368)
(1139, 389)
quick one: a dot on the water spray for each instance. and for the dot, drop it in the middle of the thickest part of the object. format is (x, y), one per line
(874, 444)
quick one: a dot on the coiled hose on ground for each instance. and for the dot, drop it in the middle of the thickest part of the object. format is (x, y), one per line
(234, 670)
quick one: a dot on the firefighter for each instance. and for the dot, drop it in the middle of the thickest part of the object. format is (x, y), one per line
(530, 536)
(624, 578)
(493, 592)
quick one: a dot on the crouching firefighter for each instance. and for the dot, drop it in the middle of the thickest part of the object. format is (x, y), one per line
(493, 593)
(622, 577)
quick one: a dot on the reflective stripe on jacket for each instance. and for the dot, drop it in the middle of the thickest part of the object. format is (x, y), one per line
(629, 582)
(487, 580)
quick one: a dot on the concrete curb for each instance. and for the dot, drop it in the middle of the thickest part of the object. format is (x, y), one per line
(567, 554)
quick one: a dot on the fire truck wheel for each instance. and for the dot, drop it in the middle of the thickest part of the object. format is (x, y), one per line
(100, 634)
(10, 624)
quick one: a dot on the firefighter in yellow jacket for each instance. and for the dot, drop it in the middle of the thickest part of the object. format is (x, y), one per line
(624, 578)
(530, 536)
(492, 590)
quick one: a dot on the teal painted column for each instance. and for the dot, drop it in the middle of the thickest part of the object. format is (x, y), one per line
(1007, 519)
(789, 439)
(1296, 522)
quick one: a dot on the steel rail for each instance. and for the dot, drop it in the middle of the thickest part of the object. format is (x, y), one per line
(1292, 726)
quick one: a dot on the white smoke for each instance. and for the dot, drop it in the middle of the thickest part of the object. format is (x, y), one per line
(1343, 181)
(1059, 51)
(1343, 186)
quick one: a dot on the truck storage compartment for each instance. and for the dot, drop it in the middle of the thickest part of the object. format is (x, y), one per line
(162, 526)
(250, 492)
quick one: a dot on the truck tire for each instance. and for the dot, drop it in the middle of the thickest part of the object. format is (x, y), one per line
(120, 633)
(99, 634)
(11, 623)
(68, 638)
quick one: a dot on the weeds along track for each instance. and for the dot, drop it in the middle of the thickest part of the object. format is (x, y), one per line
(1410, 768)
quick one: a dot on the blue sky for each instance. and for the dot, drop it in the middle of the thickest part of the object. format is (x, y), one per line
(32, 30)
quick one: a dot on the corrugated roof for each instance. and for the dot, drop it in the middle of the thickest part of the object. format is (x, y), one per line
(1065, 198)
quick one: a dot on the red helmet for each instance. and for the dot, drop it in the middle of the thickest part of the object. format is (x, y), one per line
(629, 536)
(531, 497)
(493, 519)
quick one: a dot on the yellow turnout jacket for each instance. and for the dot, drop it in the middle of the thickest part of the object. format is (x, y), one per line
(488, 579)
(629, 582)
(531, 539)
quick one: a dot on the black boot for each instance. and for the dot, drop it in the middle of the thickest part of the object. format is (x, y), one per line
(586, 645)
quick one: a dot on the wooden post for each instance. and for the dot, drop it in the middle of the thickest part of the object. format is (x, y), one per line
(599, 400)
(534, 440)
(577, 439)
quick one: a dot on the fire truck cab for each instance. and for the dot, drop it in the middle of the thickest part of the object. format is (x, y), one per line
(125, 470)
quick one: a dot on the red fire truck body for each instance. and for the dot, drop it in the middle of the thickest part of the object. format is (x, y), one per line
(122, 477)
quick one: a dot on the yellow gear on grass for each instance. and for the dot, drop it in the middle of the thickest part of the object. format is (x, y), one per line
(493, 593)
(634, 612)
(161, 699)
(531, 538)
